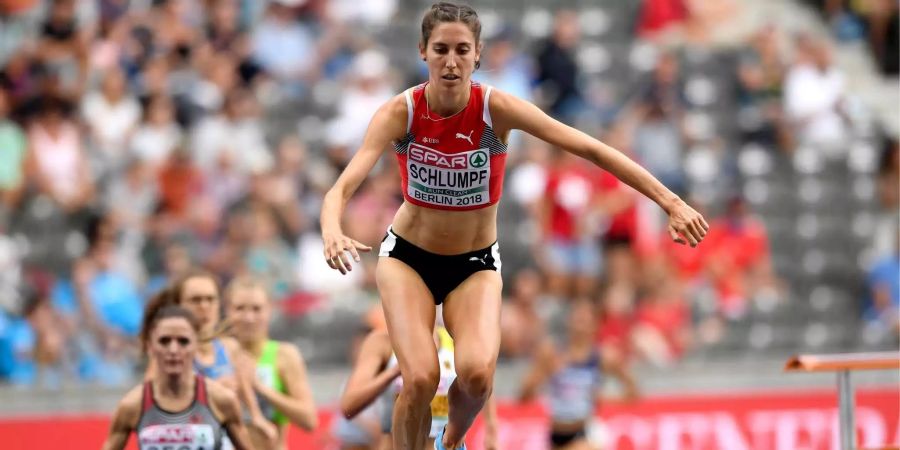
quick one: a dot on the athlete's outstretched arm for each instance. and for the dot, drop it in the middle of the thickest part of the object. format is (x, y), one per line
(225, 402)
(615, 366)
(388, 125)
(245, 374)
(124, 420)
(368, 380)
(297, 404)
(509, 112)
(542, 368)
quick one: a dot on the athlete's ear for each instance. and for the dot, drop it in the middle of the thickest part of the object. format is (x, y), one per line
(422, 50)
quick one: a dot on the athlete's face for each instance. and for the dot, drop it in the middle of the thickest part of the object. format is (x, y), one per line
(451, 52)
(249, 313)
(200, 296)
(173, 344)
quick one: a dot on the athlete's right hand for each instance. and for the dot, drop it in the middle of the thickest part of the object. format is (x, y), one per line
(337, 245)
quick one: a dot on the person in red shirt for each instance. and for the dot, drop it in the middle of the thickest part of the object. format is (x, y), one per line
(571, 219)
(662, 320)
(736, 258)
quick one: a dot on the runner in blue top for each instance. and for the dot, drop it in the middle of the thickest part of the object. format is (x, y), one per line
(574, 373)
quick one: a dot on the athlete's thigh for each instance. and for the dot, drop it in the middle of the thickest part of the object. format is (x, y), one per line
(409, 312)
(472, 316)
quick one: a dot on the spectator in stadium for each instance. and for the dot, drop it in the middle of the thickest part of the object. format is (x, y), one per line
(56, 163)
(111, 115)
(661, 332)
(883, 23)
(571, 225)
(884, 237)
(522, 324)
(368, 88)
(557, 69)
(616, 321)
(505, 67)
(658, 141)
(267, 256)
(283, 46)
(234, 137)
(50, 330)
(883, 285)
(179, 180)
(814, 95)
(12, 157)
(105, 307)
(761, 72)
(158, 134)
(62, 48)
(132, 196)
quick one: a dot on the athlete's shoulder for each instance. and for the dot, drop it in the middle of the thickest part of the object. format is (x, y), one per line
(378, 341)
(129, 408)
(288, 351)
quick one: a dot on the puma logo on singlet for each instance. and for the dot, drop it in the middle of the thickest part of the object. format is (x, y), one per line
(475, 258)
(463, 136)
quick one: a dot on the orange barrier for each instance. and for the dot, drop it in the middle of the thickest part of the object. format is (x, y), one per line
(847, 361)
(843, 364)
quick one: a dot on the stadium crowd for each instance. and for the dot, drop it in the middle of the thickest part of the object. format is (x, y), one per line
(141, 138)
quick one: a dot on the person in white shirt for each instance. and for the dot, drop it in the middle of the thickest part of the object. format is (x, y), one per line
(814, 95)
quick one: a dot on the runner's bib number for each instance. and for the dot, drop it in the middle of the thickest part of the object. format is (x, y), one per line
(458, 179)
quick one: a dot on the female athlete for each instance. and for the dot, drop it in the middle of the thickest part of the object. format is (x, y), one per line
(174, 405)
(450, 137)
(376, 376)
(575, 374)
(218, 357)
(281, 386)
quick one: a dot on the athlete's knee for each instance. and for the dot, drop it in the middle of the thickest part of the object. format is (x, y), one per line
(422, 382)
(476, 378)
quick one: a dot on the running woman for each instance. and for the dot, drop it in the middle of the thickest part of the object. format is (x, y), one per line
(174, 405)
(281, 385)
(376, 377)
(575, 372)
(218, 357)
(450, 137)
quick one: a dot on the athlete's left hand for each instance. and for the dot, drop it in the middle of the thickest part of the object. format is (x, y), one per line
(268, 429)
(686, 226)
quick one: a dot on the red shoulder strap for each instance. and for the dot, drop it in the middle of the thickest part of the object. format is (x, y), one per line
(201, 391)
(147, 399)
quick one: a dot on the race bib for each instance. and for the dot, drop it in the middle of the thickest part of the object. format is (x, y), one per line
(177, 437)
(448, 180)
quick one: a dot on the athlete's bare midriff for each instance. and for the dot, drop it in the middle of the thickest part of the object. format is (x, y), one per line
(446, 232)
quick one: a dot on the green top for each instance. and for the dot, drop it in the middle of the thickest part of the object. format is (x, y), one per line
(267, 372)
(12, 154)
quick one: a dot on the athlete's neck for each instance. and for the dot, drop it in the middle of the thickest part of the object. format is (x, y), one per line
(255, 347)
(174, 385)
(447, 101)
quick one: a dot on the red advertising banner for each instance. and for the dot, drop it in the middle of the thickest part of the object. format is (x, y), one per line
(772, 420)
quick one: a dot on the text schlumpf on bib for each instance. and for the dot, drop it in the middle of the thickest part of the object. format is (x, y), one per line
(457, 179)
